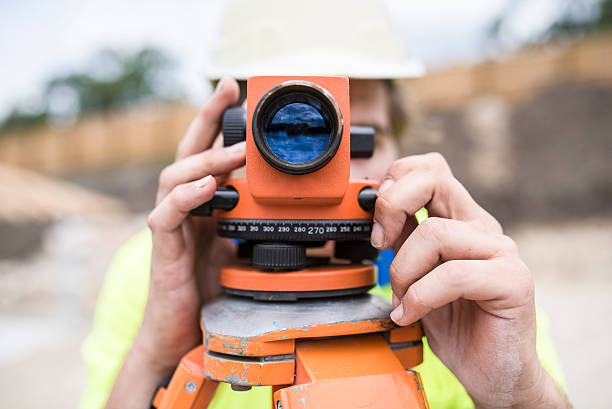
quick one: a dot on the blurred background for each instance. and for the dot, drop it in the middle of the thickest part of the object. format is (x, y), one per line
(96, 94)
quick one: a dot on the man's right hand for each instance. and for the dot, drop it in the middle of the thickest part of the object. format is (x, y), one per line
(187, 253)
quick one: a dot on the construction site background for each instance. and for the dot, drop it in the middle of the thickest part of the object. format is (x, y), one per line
(529, 135)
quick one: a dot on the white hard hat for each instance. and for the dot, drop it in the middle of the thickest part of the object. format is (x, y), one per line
(315, 37)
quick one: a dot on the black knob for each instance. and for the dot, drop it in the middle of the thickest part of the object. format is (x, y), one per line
(362, 141)
(225, 198)
(234, 126)
(278, 256)
(367, 198)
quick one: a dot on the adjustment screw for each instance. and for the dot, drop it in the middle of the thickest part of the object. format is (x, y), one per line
(191, 387)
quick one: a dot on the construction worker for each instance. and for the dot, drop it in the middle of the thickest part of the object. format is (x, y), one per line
(456, 272)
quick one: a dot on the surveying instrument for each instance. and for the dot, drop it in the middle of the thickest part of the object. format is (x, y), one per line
(305, 325)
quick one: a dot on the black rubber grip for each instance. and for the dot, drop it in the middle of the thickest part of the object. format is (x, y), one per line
(234, 126)
(225, 198)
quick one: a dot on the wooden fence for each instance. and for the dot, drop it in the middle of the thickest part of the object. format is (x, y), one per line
(97, 141)
(517, 76)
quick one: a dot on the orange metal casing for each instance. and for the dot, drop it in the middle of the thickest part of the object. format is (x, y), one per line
(310, 279)
(252, 373)
(395, 390)
(351, 372)
(324, 186)
(410, 357)
(335, 358)
(249, 208)
(283, 341)
(413, 332)
(177, 395)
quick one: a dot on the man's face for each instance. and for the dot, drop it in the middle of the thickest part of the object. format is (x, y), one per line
(370, 106)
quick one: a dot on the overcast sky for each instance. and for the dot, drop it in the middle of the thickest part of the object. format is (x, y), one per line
(41, 38)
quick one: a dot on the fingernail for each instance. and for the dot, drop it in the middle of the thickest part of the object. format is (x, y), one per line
(378, 236)
(395, 300)
(396, 314)
(200, 183)
(238, 148)
(385, 185)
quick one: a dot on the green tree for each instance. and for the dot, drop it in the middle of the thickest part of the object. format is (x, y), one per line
(576, 17)
(114, 81)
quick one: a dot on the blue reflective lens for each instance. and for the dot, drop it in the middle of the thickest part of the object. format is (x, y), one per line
(298, 133)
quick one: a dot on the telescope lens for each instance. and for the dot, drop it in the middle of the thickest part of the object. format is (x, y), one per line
(298, 132)
(297, 127)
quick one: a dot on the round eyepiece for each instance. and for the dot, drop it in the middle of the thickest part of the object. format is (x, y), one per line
(297, 127)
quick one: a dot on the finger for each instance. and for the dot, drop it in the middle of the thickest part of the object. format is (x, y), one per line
(174, 208)
(495, 281)
(206, 125)
(398, 201)
(429, 161)
(438, 240)
(448, 198)
(210, 162)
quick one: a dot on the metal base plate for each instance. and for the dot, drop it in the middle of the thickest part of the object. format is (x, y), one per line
(244, 319)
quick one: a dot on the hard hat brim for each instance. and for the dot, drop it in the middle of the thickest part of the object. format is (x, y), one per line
(351, 66)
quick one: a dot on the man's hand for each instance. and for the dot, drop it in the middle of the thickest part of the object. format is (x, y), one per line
(465, 280)
(187, 254)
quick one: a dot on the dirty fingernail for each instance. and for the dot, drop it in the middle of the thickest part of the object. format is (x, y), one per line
(238, 148)
(200, 183)
(378, 235)
(396, 314)
(385, 185)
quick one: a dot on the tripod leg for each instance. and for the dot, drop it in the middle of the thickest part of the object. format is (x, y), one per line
(189, 388)
(348, 372)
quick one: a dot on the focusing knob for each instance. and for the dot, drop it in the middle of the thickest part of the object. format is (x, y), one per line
(279, 256)
(225, 198)
(234, 126)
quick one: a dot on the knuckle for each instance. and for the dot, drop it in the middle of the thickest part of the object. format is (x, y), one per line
(524, 275)
(395, 272)
(152, 221)
(433, 226)
(177, 198)
(455, 273)
(437, 161)
(400, 167)
(491, 224)
(508, 245)
(165, 177)
(522, 284)
(414, 300)
(525, 287)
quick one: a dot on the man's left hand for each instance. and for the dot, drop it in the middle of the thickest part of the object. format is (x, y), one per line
(465, 280)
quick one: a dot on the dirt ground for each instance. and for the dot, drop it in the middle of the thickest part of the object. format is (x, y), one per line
(46, 306)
